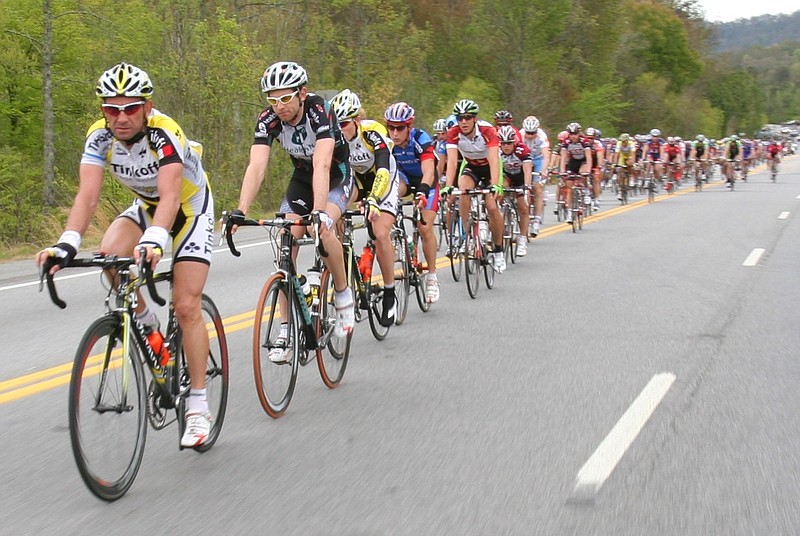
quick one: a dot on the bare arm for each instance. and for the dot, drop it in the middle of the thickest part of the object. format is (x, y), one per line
(254, 175)
(323, 154)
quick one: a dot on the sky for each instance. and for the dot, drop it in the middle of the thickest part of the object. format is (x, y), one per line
(728, 10)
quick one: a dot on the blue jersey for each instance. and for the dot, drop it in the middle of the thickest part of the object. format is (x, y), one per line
(409, 158)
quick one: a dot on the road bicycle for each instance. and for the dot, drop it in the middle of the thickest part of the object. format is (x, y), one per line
(368, 295)
(454, 238)
(478, 242)
(623, 182)
(121, 381)
(511, 221)
(581, 198)
(773, 169)
(295, 326)
(673, 177)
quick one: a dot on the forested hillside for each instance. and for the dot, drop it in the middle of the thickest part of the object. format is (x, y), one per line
(764, 31)
(620, 65)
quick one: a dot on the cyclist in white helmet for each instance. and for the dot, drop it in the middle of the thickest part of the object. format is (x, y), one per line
(536, 140)
(149, 154)
(321, 182)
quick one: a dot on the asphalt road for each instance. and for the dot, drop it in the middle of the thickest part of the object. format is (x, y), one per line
(633, 378)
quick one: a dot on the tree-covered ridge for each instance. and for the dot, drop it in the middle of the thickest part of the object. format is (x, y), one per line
(764, 30)
(619, 65)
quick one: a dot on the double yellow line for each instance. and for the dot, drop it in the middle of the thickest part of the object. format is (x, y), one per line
(53, 377)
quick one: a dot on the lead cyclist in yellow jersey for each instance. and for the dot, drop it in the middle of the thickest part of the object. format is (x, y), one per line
(148, 153)
(376, 184)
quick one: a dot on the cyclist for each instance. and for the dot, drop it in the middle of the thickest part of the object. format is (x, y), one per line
(592, 135)
(673, 153)
(517, 170)
(416, 163)
(503, 118)
(375, 184)
(732, 155)
(625, 156)
(576, 157)
(536, 140)
(321, 183)
(774, 153)
(147, 152)
(440, 147)
(698, 154)
(653, 151)
(477, 141)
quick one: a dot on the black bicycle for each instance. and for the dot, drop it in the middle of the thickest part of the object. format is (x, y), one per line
(291, 327)
(368, 295)
(110, 397)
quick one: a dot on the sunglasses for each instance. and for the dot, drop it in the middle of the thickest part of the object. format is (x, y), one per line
(465, 117)
(398, 128)
(113, 110)
(506, 143)
(343, 124)
(283, 99)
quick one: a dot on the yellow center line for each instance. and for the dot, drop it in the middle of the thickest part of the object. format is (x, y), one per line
(50, 378)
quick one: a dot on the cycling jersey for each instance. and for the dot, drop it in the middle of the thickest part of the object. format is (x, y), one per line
(409, 158)
(135, 165)
(672, 151)
(536, 144)
(700, 148)
(747, 148)
(626, 151)
(474, 147)
(653, 148)
(512, 164)
(369, 151)
(774, 148)
(318, 123)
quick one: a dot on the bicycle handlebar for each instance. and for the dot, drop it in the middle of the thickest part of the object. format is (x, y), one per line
(229, 220)
(105, 262)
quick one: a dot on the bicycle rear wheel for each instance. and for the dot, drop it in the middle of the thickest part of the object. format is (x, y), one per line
(472, 258)
(216, 372)
(402, 281)
(510, 235)
(107, 409)
(375, 300)
(275, 381)
(333, 362)
(488, 266)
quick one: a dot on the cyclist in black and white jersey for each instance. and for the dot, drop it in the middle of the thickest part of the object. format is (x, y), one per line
(305, 126)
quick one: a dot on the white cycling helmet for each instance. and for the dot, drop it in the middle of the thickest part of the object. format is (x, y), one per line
(346, 105)
(283, 75)
(124, 80)
(530, 124)
(655, 133)
(439, 125)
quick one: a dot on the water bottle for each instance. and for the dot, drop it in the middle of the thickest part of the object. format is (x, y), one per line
(411, 246)
(306, 288)
(156, 340)
(313, 277)
(365, 264)
(483, 227)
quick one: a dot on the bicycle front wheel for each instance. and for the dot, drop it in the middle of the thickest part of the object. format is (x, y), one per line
(472, 258)
(402, 284)
(276, 347)
(107, 409)
(454, 248)
(510, 235)
(216, 371)
(332, 363)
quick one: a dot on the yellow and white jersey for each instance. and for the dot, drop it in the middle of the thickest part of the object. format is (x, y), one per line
(136, 166)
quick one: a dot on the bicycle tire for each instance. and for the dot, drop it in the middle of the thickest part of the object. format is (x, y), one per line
(275, 382)
(216, 373)
(472, 258)
(454, 241)
(102, 392)
(509, 236)
(402, 282)
(488, 267)
(375, 310)
(333, 362)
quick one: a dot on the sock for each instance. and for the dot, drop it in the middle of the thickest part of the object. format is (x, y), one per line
(147, 318)
(342, 298)
(197, 401)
